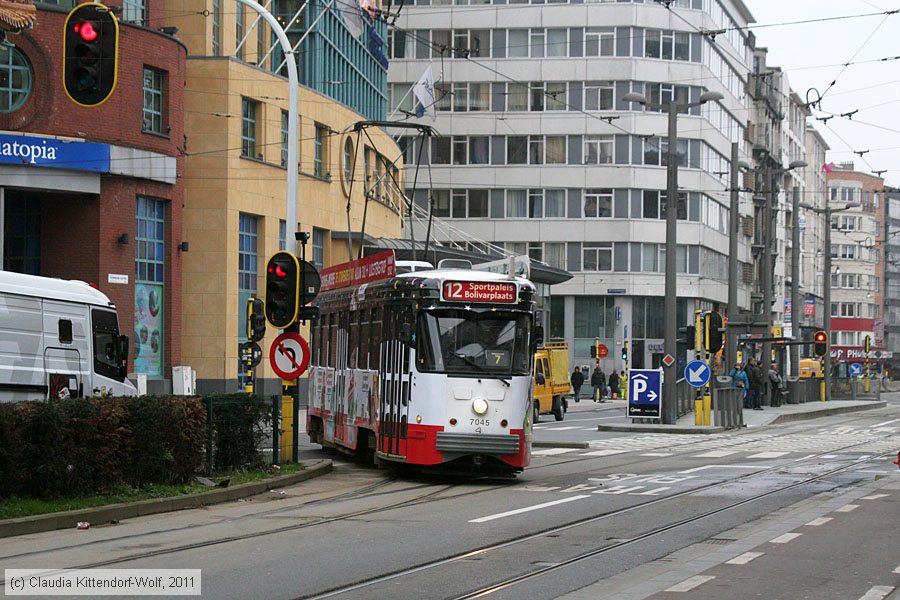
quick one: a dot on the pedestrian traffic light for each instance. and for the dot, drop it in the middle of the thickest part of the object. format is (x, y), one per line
(690, 333)
(90, 48)
(282, 287)
(256, 320)
(820, 343)
(713, 323)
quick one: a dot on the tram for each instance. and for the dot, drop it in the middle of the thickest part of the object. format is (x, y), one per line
(429, 369)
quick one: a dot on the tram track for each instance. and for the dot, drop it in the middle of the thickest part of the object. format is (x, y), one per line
(594, 552)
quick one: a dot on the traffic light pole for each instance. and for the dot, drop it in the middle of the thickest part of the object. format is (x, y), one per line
(827, 300)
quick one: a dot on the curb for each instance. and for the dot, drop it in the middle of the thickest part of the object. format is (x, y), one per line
(825, 412)
(102, 515)
(576, 445)
(701, 429)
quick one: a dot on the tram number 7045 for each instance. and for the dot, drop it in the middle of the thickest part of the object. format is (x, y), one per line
(480, 422)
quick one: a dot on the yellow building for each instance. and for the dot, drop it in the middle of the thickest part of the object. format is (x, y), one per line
(235, 175)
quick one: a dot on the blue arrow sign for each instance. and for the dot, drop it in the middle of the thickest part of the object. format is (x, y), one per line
(697, 373)
(644, 393)
(855, 369)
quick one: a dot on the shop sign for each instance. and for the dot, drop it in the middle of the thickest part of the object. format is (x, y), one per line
(36, 151)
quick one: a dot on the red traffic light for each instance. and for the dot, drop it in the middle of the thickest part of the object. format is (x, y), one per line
(277, 271)
(820, 336)
(86, 30)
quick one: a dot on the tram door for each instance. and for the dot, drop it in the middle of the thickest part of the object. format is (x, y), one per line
(394, 380)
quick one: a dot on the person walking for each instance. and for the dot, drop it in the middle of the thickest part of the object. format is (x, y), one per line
(739, 381)
(598, 383)
(614, 383)
(757, 383)
(577, 381)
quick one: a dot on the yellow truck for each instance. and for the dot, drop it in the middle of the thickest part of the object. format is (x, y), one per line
(551, 380)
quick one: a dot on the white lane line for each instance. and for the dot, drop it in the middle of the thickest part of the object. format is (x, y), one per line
(744, 558)
(875, 497)
(656, 454)
(550, 451)
(897, 570)
(784, 539)
(818, 522)
(875, 472)
(519, 511)
(828, 456)
(877, 592)
(715, 454)
(847, 508)
(689, 584)
(886, 423)
(564, 428)
(807, 457)
(695, 469)
(604, 452)
(767, 455)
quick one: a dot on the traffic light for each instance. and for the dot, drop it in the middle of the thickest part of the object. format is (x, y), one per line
(256, 320)
(713, 323)
(593, 351)
(625, 350)
(282, 287)
(867, 344)
(690, 333)
(820, 343)
(90, 61)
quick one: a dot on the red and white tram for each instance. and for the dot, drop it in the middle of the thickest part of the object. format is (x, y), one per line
(430, 368)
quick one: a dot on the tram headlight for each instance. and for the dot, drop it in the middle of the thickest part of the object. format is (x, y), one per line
(479, 406)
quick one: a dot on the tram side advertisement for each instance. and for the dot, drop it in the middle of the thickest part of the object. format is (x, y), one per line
(476, 291)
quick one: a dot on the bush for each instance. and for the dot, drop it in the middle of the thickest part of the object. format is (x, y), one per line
(169, 437)
(237, 428)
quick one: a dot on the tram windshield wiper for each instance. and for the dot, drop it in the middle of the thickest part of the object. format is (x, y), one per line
(481, 368)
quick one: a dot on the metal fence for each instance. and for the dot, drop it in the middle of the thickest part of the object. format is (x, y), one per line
(728, 407)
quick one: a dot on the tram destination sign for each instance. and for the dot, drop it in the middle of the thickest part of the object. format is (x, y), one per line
(479, 291)
(371, 268)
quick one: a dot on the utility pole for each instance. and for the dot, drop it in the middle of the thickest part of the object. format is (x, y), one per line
(670, 340)
(768, 266)
(795, 283)
(730, 345)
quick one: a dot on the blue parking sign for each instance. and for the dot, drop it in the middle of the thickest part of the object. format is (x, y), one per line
(645, 393)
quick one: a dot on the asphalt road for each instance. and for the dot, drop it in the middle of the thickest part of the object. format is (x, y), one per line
(632, 516)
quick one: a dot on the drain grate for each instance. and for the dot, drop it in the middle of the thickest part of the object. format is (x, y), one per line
(719, 541)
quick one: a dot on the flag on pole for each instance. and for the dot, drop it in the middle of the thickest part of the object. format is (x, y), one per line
(424, 93)
(828, 167)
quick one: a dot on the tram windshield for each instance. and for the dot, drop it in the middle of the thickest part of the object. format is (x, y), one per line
(465, 341)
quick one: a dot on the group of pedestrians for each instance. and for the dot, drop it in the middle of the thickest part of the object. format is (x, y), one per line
(752, 380)
(600, 391)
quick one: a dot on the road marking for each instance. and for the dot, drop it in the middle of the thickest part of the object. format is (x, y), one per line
(538, 488)
(519, 511)
(847, 508)
(657, 454)
(807, 457)
(726, 467)
(875, 497)
(819, 521)
(897, 570)
(689, 584)
(564, 428)
(767, 455)
(886, 423)
(828, 456)
(875, 472)
(550, 451)
(877, 592)
(784, 539)
(604, 452)
(716, 454)
(744, 558)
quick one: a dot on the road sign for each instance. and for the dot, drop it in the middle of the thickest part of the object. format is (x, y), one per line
(289, 355)
(602, 351)
(855, 369)
(668, 360)
(697, 373)
(644, 393)
(250, 351)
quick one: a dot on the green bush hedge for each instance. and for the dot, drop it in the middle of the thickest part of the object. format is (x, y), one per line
(91, 445)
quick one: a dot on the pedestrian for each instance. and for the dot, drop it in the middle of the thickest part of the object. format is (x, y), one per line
(614, 383)
(598, 382)
(776, 384)
(757, 383)
(577, 381)
(739, 381)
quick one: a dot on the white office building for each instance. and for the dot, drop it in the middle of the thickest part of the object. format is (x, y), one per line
(538, 152)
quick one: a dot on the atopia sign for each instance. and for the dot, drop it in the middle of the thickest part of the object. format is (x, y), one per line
(53, 152)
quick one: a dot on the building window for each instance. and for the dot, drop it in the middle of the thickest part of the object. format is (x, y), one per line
(248, 257)
(597, 256)
(282, 234)
(320, 157)
(134, 11)
(599, 41)
(248, 127)
(598, 149)
(154, 87)
(318, 248)
(284, 138)
(216, 27)
(239, 31)
(260, 43)
(598, 95)
(149, 288)
(598, 203)
(22, 233)
(349, 158)
(15, 79)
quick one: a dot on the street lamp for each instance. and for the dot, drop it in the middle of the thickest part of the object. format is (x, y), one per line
(670, 400)
(826, 325)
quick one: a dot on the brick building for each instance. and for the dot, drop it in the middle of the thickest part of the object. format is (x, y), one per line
(94, 193)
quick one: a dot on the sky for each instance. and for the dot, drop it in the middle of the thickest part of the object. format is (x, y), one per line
(813, 55)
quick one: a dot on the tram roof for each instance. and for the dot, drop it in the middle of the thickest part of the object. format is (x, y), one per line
(463, 274)
(403, 250)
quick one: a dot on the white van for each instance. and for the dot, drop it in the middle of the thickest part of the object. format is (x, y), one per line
(59, 339)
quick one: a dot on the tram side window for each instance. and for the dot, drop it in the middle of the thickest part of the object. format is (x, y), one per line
(353, 341)
(332, 340)
(375, 339)
(363, 339)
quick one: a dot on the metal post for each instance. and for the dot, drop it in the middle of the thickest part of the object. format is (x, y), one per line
(730, 341)
(768, 267)
(795, 283)
(670, 397)
(827, 318)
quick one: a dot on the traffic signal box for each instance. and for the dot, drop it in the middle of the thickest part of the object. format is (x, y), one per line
(282, 289)
(90, 54)
(820, 343)
(256, 320)
(625, 351)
